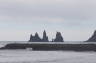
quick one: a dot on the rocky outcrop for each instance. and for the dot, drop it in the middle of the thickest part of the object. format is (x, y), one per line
(93, 38)
(45, 37)
(58, 38)
(35, 38)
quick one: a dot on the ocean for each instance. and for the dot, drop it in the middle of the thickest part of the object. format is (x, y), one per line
(29, 56)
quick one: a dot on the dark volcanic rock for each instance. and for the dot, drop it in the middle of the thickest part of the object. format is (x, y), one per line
(31, 38)
(68, 47)
(93, 38)
(35, 38)
(58, 38)
(45, 37)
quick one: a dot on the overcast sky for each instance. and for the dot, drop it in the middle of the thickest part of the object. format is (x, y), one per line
(75, 19)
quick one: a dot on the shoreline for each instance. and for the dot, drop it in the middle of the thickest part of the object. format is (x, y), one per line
(50, 47)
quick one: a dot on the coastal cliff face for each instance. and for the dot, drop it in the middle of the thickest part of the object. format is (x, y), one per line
(93, 38)
(36, 38)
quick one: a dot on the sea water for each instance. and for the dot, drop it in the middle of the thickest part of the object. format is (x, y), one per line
(29, 56)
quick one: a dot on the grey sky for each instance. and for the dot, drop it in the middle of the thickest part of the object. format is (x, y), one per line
(20, 18)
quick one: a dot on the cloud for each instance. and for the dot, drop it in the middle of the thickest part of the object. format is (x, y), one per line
(33, 19)
(62, 8)
(65, 9)
(62, 15)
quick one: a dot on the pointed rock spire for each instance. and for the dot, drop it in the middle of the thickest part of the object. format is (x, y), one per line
(35, 38)
(30, 38)
(45, 37)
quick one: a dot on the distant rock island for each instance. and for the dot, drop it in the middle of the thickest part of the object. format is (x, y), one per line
(92, 38)
(52, 45)
(58, 38)
(36, 38)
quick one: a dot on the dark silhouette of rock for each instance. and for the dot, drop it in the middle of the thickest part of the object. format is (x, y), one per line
(58, 38)
(35, 38)
(45, 47)
(45, 37)
(31, 38)
(93, 38)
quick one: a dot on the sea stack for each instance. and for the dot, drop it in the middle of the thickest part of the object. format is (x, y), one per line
(45, 37)
(93, 38)
(35, 38)
(58, 38)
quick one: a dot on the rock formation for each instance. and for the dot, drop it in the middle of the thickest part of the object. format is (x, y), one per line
(58, 38)
(93, 38)
(35, 38)
(45, 37)
(31, 38)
